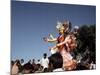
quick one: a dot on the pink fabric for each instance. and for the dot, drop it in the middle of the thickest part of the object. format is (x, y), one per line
(65, 53)
(66, 57)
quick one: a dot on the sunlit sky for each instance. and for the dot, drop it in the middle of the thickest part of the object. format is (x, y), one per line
(31, 21)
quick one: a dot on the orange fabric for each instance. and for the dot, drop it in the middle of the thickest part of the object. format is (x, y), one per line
(68, 62)
(61, 39)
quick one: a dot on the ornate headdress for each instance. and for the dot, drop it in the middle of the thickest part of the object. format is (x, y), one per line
(59, 25)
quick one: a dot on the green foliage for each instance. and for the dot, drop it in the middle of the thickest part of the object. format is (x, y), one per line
(87, 39)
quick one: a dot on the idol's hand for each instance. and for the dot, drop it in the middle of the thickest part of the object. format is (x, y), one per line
(45, 39)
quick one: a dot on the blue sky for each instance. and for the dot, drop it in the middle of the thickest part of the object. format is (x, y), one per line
(31, 21)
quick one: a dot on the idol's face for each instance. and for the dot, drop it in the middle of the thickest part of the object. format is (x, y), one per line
(61, 30)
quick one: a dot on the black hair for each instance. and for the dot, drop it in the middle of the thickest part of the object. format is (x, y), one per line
(56, 60)
(45, 55)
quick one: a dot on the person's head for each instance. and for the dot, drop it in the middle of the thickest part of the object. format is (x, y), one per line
(38, 60)
(12, 62)
(22, 60)
(44, 55)
(17, 62)
(29, 61)
(33, 60)
(55, 61)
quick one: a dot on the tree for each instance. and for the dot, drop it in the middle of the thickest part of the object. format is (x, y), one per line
(87, 39)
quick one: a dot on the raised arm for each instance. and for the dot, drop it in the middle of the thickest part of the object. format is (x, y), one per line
(51, 36)
(50, 40)
(67, 39)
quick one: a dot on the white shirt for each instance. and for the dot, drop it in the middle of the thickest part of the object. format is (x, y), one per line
(53, 51)
(45, 62)
(22, 64)
(92, 66)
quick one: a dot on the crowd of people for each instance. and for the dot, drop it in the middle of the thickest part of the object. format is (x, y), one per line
(20, 67)
(52, 63)
(62, 56)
